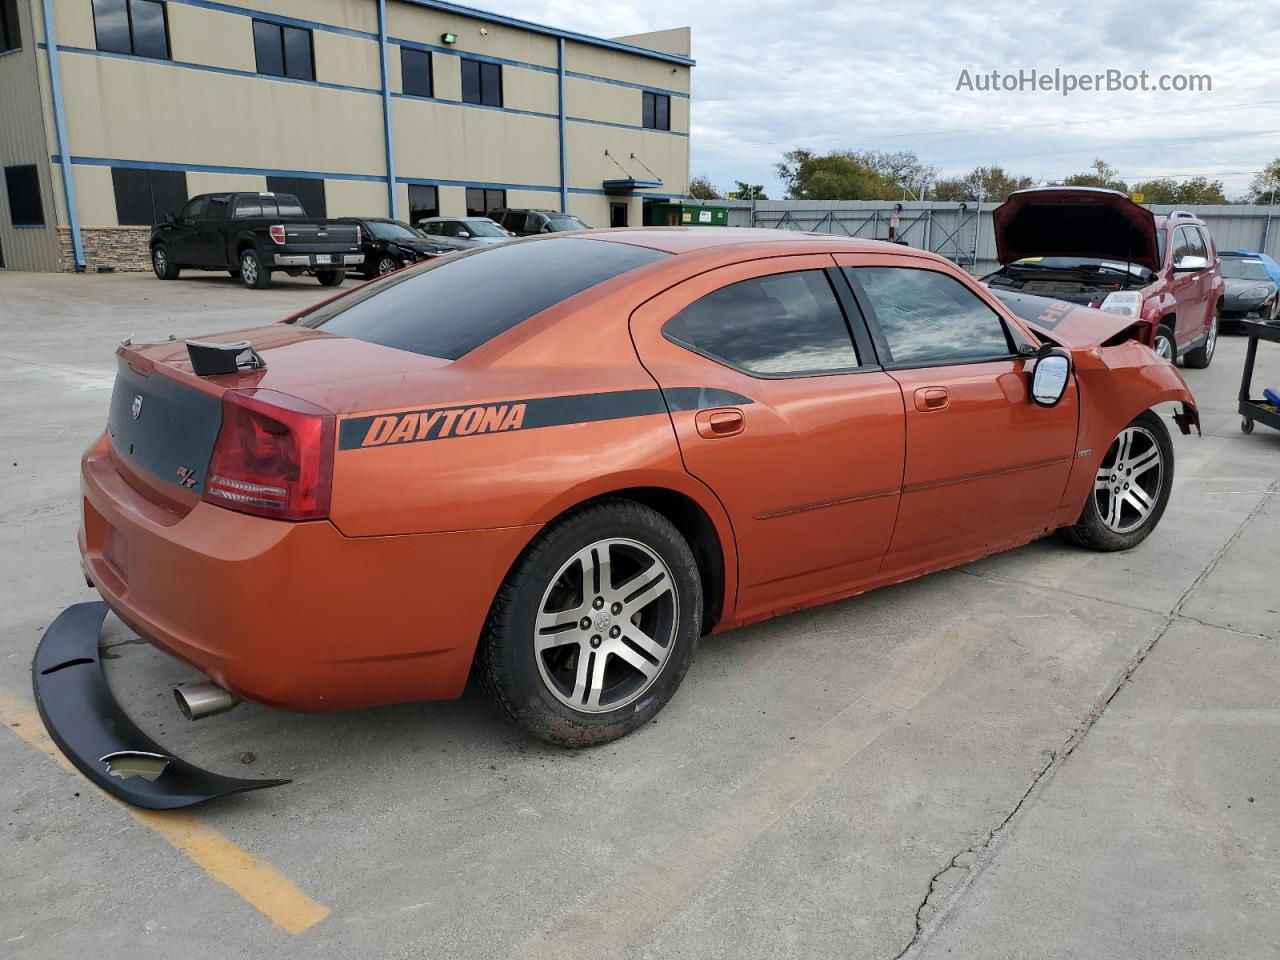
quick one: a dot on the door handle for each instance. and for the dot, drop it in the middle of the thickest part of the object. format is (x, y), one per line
(929, 399)
(725, 422)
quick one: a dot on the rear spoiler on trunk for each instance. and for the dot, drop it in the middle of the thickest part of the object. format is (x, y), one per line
(216, 359)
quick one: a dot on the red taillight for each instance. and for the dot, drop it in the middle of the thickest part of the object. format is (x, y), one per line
(273, 456)
(277, 233)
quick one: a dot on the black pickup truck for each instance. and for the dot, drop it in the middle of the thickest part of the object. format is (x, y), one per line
(250, 235)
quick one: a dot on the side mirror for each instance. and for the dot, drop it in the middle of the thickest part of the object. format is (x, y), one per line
(1187, 264)
(1049, 376)
(170, 218)
(465, 234)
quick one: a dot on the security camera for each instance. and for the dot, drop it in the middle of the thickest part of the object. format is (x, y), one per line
(484, 31)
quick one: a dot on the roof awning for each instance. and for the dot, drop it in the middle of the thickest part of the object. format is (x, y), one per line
(630, 185)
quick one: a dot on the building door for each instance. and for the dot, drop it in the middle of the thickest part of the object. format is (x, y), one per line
(617, 215)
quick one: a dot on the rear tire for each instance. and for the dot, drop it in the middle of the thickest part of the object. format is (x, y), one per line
(1165, 344)
(1131, 488)
(1202, 356)
(163, 264)
(330, 278)
(253, 272)
(595, 626)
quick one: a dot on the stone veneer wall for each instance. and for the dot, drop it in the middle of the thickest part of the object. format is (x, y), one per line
(107, 248)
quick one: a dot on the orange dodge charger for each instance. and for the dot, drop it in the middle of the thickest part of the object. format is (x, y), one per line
(557, 462)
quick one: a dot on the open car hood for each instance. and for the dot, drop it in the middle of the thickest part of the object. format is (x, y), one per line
(1075, 222)
(1073, 326)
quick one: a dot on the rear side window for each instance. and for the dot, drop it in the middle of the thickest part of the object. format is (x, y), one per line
(785, 324)
(927, 318)
(451, 306)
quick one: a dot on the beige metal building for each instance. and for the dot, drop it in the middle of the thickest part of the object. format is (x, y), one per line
(113, 112)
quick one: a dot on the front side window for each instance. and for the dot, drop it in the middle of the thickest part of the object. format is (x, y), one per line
(481, 200)
(195, 209)
(139, 27)
(485, 228)
(448, 307)
(782, 325)
(656, 111)
(145, 197)
(283, 51)
(23, 187)
(10, 31)
(482, 83)
(927, 318)
(415, 72)
(217, 208)
(1187, 243)
(424, 202)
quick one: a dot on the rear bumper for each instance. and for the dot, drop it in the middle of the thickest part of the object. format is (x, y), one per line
(98, 737)
(293, 615)
(321, 261)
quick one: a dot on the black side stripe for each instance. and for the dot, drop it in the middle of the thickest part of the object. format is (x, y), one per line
(439, 423)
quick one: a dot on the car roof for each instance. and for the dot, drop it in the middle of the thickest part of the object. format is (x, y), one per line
(677, 240)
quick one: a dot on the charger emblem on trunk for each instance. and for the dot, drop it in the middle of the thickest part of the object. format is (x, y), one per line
(137, 407)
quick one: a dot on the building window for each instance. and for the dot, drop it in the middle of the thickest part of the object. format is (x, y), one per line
(139, 27)
(657, 111)
(145, 197)
(481, 201)
(424, 201)
(10, 32)
(283, 51)
(23, 186)
(415, 73)
(482, 83)
(308, 190)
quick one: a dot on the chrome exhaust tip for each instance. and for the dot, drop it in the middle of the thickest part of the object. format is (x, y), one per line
(200, 700)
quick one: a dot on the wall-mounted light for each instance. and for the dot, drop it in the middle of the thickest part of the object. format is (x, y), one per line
(449, 38)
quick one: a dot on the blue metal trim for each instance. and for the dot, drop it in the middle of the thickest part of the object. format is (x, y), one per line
(393, 201)
(277, 18)
(229, 71)
(479, 184)
(487, 17)
(627, 83)
(60, 130)
(564, 153)
(627, 126)
(10, 52)
(476, 106)
(468, 55)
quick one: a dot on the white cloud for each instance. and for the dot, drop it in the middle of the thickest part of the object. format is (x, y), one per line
(771, 76)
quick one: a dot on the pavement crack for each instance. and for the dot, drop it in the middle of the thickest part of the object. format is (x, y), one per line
(948, 885)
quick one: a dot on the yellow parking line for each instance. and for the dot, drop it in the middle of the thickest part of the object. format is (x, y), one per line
(255, 881)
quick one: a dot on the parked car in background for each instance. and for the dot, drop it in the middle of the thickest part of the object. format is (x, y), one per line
(465, 231)
(712, 426)
(389, 245)
(251, 235)
(527, 223)
(1252, 287)
(1098, 248)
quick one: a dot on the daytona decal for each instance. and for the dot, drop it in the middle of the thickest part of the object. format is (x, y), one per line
(442, 423)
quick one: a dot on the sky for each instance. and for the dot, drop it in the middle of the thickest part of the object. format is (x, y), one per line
(883, 76)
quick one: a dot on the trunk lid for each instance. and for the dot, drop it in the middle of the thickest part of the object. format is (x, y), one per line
(1075, 222)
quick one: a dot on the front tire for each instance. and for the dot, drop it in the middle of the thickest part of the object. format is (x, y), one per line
(1130, 490)
(253, 272)
(1202, 356)
(162, 264)
(1164, 344)
(596, 625)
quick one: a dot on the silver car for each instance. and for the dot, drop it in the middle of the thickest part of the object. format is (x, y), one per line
(465, 231)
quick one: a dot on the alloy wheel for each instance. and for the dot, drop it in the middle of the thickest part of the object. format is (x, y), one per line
(1127, 486)
(159, 261)
(387, 265)
(249, 269)
(1211, 342)
(606, 625)
(1164, 347)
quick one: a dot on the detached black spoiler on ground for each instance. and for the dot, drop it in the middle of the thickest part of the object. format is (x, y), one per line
(88, 725)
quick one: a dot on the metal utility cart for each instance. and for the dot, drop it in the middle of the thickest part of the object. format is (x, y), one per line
(1250, 409)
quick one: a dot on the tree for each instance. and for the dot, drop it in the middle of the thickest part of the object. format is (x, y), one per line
(853, 175)
(986, 183)
(747, 191)
(1265, 186)
(1100, 174)
(701, 188)
(1192, 190)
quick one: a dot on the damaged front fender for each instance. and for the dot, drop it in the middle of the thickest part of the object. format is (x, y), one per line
(88, 725)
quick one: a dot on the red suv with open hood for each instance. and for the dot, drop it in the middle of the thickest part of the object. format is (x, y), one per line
(1099, 248)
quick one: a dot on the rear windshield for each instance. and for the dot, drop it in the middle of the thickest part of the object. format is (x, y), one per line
(273, 205)
(448, 307)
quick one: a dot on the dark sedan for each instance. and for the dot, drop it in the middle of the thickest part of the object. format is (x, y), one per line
(1251, 289)
(392, 244)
